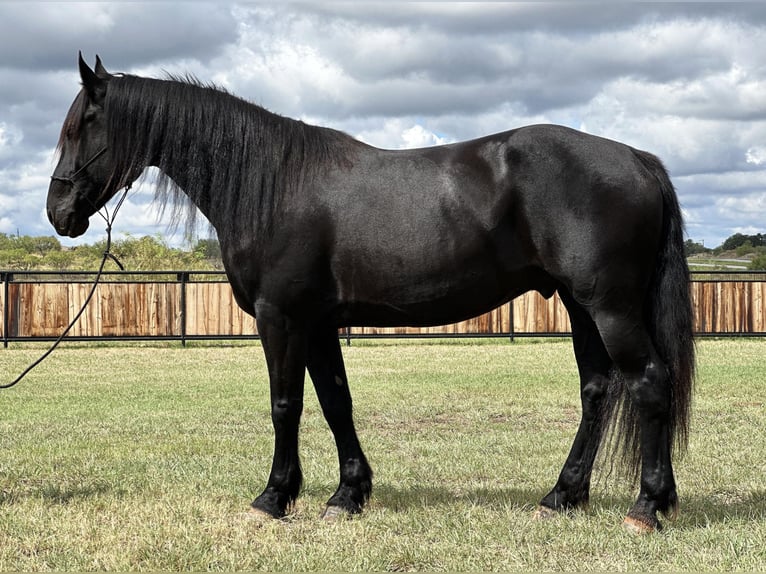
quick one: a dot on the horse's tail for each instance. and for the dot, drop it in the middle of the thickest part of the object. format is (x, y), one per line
(669, 318)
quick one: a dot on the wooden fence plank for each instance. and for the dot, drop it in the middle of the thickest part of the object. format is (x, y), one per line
(153, 309)
(213, 311)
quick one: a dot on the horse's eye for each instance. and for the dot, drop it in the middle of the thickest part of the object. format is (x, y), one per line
(90, 116)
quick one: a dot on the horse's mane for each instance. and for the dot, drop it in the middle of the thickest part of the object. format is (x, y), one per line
(227, 155)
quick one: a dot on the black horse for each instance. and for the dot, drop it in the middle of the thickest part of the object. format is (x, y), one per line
(319, 231)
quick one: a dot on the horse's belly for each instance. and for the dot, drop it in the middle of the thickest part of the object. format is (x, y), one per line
(441, 302)
(439, 272)
(415, 315)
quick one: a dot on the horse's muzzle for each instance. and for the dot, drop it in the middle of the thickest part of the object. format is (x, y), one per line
(65, 219)
(68, 226)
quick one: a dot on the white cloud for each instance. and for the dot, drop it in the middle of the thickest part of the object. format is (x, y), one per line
(743, 207)
(418, 136)
(401, 133)
(7, 226)
(10, 137)
(756, 155)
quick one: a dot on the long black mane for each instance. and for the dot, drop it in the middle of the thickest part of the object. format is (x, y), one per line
(213, 149)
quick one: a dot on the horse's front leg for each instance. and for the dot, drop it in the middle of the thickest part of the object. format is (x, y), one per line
(284, 345)
(325, 365)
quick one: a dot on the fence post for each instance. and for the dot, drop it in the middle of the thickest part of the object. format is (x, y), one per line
(510, 313)
(6, 277)
(183, 278)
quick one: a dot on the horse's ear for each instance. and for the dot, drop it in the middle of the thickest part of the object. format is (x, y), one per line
(100, 69)
(93, 84)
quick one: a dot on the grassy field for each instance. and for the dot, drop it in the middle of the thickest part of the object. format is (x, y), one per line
(146, 458)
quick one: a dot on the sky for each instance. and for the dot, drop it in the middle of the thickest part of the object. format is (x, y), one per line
(685, 81)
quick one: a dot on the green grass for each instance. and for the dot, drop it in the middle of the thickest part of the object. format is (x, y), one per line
(145, 457)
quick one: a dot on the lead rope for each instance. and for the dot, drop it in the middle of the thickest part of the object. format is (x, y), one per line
(107, 255)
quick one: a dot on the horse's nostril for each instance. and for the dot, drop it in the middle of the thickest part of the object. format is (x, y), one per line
(50, 215)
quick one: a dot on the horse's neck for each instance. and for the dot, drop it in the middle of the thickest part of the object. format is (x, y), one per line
(194, 177)
(239, 187)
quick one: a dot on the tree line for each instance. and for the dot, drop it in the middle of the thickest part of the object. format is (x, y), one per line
(152, 253)
(740, 245)
(147, 253)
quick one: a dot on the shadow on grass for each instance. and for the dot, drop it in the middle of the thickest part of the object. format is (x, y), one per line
(56, 494)
(699, 511)
(427, 496)
(696, 511)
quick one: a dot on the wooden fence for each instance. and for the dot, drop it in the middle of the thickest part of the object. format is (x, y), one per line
(197, 305)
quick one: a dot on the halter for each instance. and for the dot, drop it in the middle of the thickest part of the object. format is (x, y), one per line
(109, 219)
(70, 180)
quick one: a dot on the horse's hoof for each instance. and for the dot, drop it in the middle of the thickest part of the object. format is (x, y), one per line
(334, 514)
(544, 513)
(639, 527)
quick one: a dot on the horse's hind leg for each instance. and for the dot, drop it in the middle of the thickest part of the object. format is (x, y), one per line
(325, 366)
(572, 490)
(628, 343)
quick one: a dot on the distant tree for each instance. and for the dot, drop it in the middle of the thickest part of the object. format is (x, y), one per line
(22, 253)
(733, 242)
(87, 257)
(45, 245)
(17, 259)
(691, 247)
(208, 248)
(60, 260)
(209, 251)
(744, 249)
(740, 239)
(153, 254)
(5, 242)
(758, 263)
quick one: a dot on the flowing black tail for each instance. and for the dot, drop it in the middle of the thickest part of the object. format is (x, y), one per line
(669, 317)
